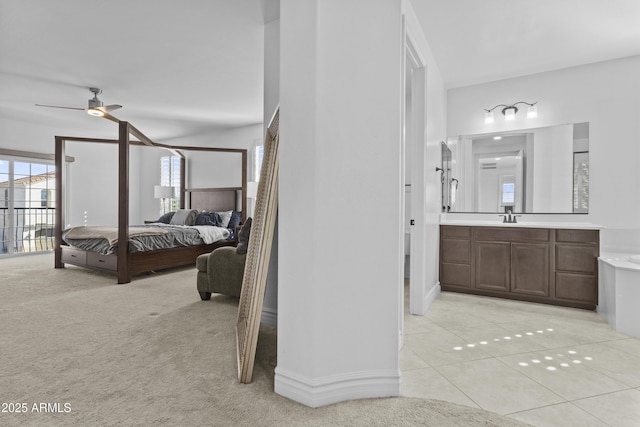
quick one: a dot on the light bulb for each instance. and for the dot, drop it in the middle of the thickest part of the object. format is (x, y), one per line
(95, 112)
(510, 113)
(488, 117)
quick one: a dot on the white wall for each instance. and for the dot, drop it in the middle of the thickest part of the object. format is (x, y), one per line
(93, 180)
(204, 169)
(271, 101)
(605, 95)
(340, 175)
(553, 169)
(92, 190)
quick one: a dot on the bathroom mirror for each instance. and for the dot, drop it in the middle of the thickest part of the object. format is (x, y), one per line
(541, 170)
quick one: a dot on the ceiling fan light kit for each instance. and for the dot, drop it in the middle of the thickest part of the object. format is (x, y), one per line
(95, 107)
(95, 104)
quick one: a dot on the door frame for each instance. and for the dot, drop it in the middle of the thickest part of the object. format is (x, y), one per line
(414, 141)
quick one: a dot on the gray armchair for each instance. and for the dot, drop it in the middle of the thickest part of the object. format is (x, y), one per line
(220, 272)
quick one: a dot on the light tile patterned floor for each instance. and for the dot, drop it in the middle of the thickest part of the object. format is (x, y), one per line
(541, 364)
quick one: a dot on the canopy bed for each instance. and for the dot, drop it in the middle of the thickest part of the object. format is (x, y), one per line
(134, 258)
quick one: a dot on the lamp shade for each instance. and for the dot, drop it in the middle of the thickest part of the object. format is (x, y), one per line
(162, 192)
(532, 112)
(488, 117)
(510, 113)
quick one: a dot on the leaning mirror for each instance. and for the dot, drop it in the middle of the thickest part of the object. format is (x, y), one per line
(541, 170)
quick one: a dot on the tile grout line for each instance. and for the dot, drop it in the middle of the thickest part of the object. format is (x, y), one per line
(570, 402)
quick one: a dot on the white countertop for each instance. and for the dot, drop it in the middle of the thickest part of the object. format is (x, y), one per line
(523, 224)
(620, 260)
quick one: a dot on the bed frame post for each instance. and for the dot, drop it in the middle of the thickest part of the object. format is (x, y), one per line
(124, 275)
(183, 175)
(61, 174)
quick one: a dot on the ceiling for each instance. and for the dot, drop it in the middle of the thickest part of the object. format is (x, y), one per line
(183, 69)
(179, 69)
(478, 41)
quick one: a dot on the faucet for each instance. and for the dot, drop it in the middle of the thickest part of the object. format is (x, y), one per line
(509, 219)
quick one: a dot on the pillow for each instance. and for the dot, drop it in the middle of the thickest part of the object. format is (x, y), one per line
(166, 218)
(184, 217)
(205, 218)
(243, 237)
(235, 219)
(225, 217)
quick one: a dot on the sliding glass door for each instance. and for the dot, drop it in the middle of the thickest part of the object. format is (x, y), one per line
(27, 206)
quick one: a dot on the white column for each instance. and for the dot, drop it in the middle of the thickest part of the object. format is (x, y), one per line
(340, 235)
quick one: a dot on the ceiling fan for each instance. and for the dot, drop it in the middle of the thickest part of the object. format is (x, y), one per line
(95, 107)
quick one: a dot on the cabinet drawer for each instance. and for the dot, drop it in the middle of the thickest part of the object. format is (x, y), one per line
(579, 258)
(455, 231)
(577, 287)
(577, 236)
(104, 262)
(74, 256)
(505, 234)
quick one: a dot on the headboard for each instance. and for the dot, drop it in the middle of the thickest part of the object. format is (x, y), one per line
(214, 199)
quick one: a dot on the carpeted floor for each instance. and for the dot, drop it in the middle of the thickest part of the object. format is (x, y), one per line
(151, 353)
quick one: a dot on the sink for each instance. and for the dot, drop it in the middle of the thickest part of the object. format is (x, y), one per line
(635, 259)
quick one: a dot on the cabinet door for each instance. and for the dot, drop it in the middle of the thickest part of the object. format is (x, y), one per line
(530, 269)
(492, 265)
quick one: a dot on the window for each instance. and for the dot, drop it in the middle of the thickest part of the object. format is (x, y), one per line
(258, 154)
(170, 177)
(508, 193)
(27, 207)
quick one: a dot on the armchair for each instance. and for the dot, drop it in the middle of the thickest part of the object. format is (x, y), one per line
(220, 271)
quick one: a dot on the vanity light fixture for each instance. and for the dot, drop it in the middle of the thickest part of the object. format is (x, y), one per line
(509, 111)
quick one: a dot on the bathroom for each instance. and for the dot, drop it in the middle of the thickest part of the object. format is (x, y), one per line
(580, 96)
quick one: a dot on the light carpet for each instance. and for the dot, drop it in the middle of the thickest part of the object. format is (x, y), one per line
(151, 353)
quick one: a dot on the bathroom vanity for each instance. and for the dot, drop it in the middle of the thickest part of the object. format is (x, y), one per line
(551, 264)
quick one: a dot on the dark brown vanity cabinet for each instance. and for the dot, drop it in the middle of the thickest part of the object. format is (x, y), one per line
(554, 266)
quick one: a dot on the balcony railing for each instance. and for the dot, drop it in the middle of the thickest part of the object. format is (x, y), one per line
(26, 229)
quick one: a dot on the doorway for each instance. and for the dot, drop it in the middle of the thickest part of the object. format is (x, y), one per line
(413, 170)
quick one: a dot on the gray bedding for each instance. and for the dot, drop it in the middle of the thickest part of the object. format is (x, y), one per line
(168, 236)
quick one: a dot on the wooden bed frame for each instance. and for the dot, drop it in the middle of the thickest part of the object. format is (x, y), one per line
(216, 199)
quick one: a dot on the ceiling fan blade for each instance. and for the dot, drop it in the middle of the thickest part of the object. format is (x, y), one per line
(107, 108)
(110, 117)
(58, 106)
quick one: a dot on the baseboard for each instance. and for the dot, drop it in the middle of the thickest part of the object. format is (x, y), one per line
(431, 296)
(269, 316)
(337, 388)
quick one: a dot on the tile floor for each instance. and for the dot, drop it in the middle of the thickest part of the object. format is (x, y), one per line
(540, 364)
